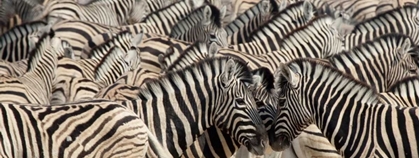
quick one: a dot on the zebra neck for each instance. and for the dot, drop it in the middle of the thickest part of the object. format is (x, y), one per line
(176, 113)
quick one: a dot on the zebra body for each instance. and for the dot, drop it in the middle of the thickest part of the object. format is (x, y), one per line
(35, 85)
(16, 43)
(313, 92)
(380, 62)
(71, 89)
(204, 24)
(286, 21)
(403, 20)
(112, 12)
(319, 34)
(177, 86)
(87, 129)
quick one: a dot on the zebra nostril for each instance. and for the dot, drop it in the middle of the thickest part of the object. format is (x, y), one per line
(212, 36)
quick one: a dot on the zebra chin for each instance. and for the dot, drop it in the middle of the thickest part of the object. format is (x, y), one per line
(280, 143)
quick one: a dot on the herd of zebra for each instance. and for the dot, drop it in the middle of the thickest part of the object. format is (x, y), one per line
(209, 78)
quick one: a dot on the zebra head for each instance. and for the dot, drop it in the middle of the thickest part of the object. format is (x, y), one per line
(212, 26)
(239, 117)
(403, 64)
(262, 88)
(292, 115)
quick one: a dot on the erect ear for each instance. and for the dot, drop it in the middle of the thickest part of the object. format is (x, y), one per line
(282, 5)
(206, 15)
(213, 48)
(308, 9)
(228, 72)
(136, 39)
(222, 12)
(284, 75)
(403, 51)
(265, 6)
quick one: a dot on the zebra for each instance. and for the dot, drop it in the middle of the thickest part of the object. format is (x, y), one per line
(402, 20)
(286, 21)
(112, 12)
(380, 62)
(102, 72)
(228, 77)
(72, 89)
(195, 52)
(79, 33)
(305, 85)
(361, 10)
(323, 28)
(239, 29)
(16, 43)
(404, 92)
(26, 9)
(35, 85)
(151, 49)
(85, 129)
(202, 24)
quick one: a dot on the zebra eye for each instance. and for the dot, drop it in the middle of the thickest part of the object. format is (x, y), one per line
(212, 36)
(260, 103)
(240, 101)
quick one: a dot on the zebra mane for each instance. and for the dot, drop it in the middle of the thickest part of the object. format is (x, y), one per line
(40, 47)
(267, 78)
(397, 10)
(308, 67)
(97, 51)
(314, 23)
(109, 62)
(204, 69)
(392, 40)
(190, 50)
(158, 11)
(404, 81)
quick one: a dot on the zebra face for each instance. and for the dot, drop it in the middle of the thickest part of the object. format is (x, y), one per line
(240, 117)
(292, 117)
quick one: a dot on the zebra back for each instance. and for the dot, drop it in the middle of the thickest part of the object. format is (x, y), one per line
(403, 93)
(123, 40)
(151, 49)
(73, 89)
(16, 43)
(93, 122)
(137, 77)
(163, 23)
(112, 12)
(380, 62)
(203, 24)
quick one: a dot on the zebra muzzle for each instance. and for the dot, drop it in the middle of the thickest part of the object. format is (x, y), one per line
(280, 143)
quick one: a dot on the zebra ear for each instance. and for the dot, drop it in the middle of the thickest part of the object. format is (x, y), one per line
(213, 48)
(406, 46)
(265, 7)
(228, 72)
(308, 9)
(222, 12)
(207, 15)
(136, 39)
(282, 5)
(284, 75)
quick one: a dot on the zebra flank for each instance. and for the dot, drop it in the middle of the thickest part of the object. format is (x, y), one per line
(84, 129)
